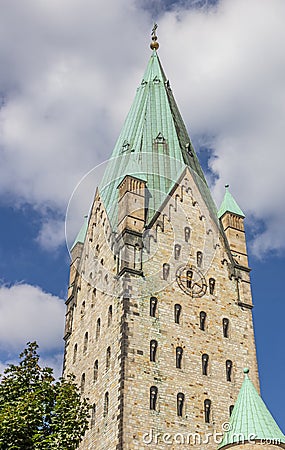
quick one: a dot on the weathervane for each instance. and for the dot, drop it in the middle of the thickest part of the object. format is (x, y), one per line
(154, 44)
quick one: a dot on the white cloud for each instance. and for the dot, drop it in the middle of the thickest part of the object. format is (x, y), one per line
(29, 314)
(234, 68)
(69, 71)
(51, 234)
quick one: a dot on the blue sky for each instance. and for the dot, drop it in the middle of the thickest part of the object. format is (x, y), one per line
(69, 74)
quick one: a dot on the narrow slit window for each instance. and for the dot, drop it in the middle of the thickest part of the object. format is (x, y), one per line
(212, 283)
(180, 403)
(106, 404)
(187, 233)
(108, 358)
(203, 317)
(85, 344)
(82, 384)
(82, 312)
(110, 315)
(165, 271)
(207, 410)
(229, 367)
(153, 350)
(95, 373)
(152, 306)
(231, 410)
(74, 353)
(98, 328)
(93, 415)
(205, 363)
(153, 398)
(199, 259)
(179, 355)
(177, 313)
(226, 324)
(177, 251)
(189, 277)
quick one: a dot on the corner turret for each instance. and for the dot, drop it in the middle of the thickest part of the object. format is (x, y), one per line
(232, 219)
(251, 425)
(131, 223)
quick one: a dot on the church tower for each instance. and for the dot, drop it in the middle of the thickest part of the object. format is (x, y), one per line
(159, 309)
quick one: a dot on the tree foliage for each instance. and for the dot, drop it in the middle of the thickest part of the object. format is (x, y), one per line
(37, 413)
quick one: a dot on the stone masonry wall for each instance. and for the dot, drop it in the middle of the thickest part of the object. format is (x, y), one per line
(130, 424)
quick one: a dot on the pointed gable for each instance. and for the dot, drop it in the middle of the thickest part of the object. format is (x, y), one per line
(250, 419)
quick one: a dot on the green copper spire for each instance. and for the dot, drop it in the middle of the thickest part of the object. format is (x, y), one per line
(250, 419)
(82, 233)
(229, 205)
(154, 141)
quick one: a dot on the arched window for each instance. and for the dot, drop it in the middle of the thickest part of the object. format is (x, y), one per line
(177, 250)
(152, 306)
(180, 403)
(106, 404)
(229, 367)
(110, 315)
(207, 410)
(153, 398)
(98, 328)
(74, 353)
(153, 349)
(205, 362)
(108, 358)
(93, 415)
(212, 283)
(85, 344)
(179, 354)
(199, 259)
(177, 313)
(82, 384)
(226, 324)
(203, 317)
(165, 271)
(95, 372)
(189, 276)
(231, 409)
(187, 232)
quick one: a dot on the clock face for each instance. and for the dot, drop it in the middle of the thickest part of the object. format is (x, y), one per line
(191, 280)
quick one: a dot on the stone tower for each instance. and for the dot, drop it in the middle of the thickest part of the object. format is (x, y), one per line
(159, 309)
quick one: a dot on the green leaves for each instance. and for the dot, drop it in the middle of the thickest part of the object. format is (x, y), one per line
(37, 413)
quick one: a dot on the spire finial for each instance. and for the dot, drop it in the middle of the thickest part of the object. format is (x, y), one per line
(246, 370)
(227, 186)
(154, 44)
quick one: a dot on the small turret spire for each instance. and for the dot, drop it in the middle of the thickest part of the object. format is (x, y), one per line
(251, 421)
(154, 44)
(229, 204)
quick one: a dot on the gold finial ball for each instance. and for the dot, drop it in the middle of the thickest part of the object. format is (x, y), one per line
(154, 45)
